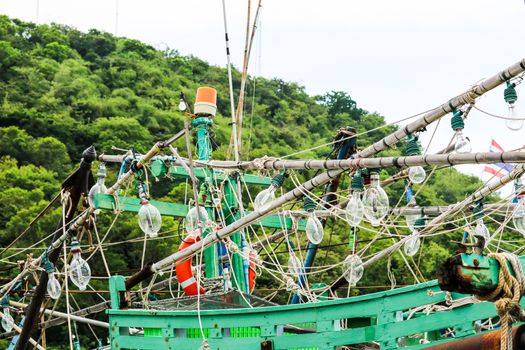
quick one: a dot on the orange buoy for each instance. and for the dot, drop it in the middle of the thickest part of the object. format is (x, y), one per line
(252, 273)
(206, 101)
(184, 273)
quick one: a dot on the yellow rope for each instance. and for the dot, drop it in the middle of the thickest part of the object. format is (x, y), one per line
(507, 295)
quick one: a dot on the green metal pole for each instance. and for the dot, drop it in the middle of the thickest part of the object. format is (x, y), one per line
(231, 213)
(203, 124)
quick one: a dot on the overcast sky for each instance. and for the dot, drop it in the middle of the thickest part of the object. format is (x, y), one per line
(394, 57)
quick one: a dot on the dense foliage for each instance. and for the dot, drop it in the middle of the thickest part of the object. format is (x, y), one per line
(62, 90)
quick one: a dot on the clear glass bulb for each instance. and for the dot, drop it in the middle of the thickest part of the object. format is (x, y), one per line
(518, 217)
(353, 269)
(354, 211)
(264, 198)
(182, 105)
(79, 271)
(150, 220)
(482, 231)
(190, 223)
(54, 289)
(412, 244)
(411, 220)
(375, 202)
(514, 122)
(462, 144)
(314, 229)
(294, 264)
(416, 174)
(7, 320)
(99, 187)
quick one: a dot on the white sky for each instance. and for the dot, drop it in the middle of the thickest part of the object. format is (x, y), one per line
(394, 57)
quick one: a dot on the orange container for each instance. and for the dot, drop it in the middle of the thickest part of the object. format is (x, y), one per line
(206, 101)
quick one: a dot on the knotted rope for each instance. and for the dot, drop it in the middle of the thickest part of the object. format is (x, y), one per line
(507, 295)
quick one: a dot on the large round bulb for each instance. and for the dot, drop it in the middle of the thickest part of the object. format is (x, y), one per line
(354, 209)
(518, 217)
(150, 220)
(462, 145)
(264, 198)
(99, 187)
(375, 202)
(314, 229)
(79, 271)
(513, 122)
(412, 244)
(54, 289)
(294, 264)
(482, 231)
(7, 320)
(416, 174)
(192, 219)
(353, 269)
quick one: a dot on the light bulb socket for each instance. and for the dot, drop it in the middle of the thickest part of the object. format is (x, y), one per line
(75, 245)
(278, 180)
(420, 223)
(457, 121)
(5, 301)
(48, 266)
(308, 204)
(477, 210)
(357, 181)
(101, 172)
(412, 147)
(509, 94)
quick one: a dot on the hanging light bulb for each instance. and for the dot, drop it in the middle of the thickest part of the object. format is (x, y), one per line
(7, 320)
(265, 197)
(54, 289)
(480, 231)
(79, 270)
(412, 244)
(353, 269)
(462, 144)
(410, 220)
(416, 174)
(513, 122)
(98, 187)
(314, 228)
(518, 216)
(150, 220)
(294, 264)
(354, 210)
(375, 201)
(192, 218)
(182, 103)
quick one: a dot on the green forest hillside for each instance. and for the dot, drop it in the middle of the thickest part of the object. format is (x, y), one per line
(62, 90)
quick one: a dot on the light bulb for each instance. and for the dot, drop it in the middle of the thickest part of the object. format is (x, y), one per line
(411, 220)
(375, 201)
(314, 229)
(518, 217)
(354, 211)
(462, 144)
(54, 289)
(482, 231)
(294, 264)
(99, 186)
(514, 122)
(150, 220)
(412, 244)
(416, 174)
(79, 271)
(182, 105)
(7, 320)
(353, 269)
(191, 220)
(264, 198)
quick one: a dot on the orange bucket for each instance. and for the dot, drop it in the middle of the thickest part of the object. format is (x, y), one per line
(206, 101)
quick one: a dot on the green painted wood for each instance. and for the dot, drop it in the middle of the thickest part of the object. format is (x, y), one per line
(131, 204)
